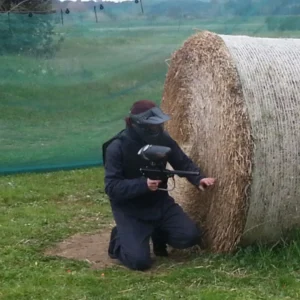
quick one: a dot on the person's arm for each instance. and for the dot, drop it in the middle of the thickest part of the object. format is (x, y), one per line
(117, 187)
(180, 161)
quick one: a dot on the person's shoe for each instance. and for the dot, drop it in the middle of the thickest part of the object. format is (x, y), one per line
(160, 250)
(112, 243)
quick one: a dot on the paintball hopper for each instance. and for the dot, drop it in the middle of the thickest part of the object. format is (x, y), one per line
(153, 153)
(157, 156)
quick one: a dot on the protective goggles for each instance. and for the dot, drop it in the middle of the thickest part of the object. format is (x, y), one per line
(153, 116)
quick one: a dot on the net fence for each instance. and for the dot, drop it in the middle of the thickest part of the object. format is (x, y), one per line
(69, 74)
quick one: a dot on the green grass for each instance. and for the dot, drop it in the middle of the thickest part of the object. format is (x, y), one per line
(39, 210)
(59, 111)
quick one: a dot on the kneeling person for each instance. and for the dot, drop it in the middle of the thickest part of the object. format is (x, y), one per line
(140, 209)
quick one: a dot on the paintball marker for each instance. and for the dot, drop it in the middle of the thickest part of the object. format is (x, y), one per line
(157, 157)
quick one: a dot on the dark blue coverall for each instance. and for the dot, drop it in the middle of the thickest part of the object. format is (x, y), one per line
(140, 213)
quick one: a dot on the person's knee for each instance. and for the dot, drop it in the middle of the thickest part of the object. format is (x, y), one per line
(140, 263)
(137, 261)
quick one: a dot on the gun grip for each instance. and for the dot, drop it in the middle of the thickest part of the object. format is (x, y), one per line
(163, 184)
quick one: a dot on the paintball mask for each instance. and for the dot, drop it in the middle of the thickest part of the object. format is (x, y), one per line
(150, 124)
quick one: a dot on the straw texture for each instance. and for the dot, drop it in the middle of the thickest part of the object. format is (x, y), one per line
(234, 102)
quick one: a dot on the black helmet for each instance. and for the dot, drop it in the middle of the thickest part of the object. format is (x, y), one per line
(150, 124)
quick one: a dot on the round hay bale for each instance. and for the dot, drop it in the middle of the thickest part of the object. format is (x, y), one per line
(235, 105)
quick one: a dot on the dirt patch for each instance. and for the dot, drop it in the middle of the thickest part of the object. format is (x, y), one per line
(92, 248)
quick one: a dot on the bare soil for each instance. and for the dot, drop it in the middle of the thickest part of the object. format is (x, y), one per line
(92, 248)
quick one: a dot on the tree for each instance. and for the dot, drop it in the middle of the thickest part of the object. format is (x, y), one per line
(27, 26)
(25, 5)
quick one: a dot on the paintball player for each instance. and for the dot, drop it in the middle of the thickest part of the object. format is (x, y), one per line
(142, 211)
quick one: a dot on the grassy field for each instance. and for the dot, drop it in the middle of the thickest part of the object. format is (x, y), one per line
(58, 112)
(39, 210)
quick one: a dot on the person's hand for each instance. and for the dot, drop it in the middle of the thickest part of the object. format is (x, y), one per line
(206, 182)
(153, 184)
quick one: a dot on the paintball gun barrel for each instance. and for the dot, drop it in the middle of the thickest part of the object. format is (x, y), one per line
(157, 157)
